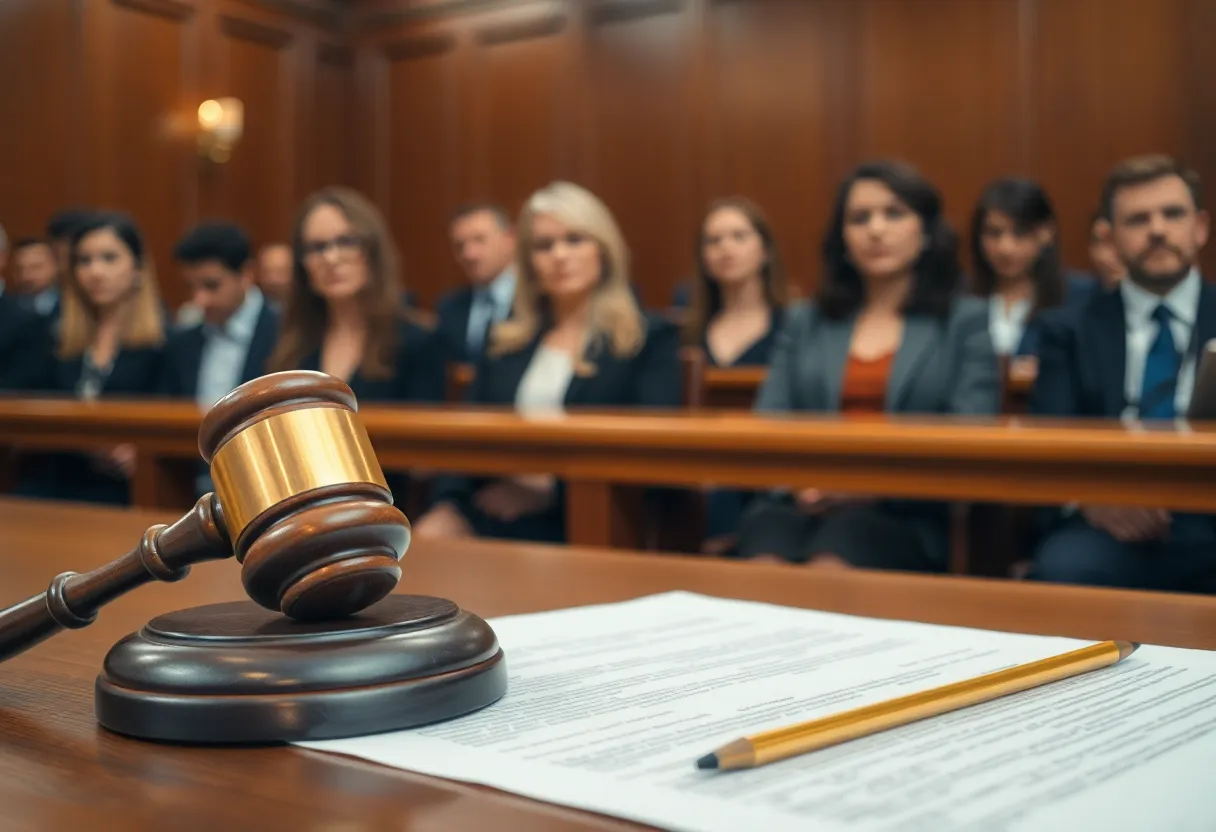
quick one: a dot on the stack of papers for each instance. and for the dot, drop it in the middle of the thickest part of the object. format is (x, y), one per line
(609, 707)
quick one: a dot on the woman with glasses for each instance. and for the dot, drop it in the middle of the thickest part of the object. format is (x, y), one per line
(346, 316)
(576, 338)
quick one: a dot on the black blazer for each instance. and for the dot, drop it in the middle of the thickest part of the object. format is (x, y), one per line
(73, 476)
(755, 355)
(1083, 355)
(453, 325)
(419, 373)
(650, 379)
(26, 346)
(183, 356)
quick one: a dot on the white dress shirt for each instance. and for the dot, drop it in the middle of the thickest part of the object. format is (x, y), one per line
(1006, 324)
(225, 349)
(1138, 305)
(490, 305)
(544, 384)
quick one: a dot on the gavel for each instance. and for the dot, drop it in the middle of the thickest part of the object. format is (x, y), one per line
(300, 499)
(301, 502)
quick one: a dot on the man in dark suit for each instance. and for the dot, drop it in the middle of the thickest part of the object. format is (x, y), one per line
(25, 345)
(232, 343)
(484, 244)
(36, 277)
(238, 329)
(1130, 353)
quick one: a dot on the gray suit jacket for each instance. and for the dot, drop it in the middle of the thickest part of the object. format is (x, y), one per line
(946, 366)
(942, 366)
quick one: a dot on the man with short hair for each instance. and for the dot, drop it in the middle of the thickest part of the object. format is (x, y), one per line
(1131, 353)
(236, 334)
(483, 241)
(232, 342)
(34, 277)
(274, 274)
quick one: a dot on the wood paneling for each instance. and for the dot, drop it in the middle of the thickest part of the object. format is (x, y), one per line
(147, 156)
(658, 105)
(258, 178)
(422, 144)
(642, 145)
(1106, 85)
(754, 121)
(517, 132)
(334, 117)
(41, 159)
(101, 101)
(663, 104)
(938, 87)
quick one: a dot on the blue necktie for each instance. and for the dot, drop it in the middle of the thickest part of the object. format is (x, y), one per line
(481, 315)
(1161, 367)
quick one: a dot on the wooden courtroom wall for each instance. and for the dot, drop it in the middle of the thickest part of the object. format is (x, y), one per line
(97, 93)
(660, 105)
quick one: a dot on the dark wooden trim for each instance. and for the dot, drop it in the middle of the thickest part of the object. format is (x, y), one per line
(366, 21)
(239, 27)
(419, 47)
(331, 54)
(522, 29)
(178, 10)
(607, 12)
(322, 13)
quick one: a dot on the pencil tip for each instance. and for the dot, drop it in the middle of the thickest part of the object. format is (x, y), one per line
(1126, 648)
(708, 761)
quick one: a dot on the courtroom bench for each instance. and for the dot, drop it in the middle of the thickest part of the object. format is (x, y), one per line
(607, 457)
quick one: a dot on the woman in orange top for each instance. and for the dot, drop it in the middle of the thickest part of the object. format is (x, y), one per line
(888, 332)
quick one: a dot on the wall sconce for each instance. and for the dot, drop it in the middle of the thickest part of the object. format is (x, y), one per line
(220, 122)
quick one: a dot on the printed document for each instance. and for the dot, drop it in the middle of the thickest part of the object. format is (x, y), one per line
(608, 708)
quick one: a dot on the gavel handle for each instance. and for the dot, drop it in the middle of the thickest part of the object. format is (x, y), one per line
(165, 553)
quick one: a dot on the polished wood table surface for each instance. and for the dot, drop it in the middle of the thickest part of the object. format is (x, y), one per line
(59, 770)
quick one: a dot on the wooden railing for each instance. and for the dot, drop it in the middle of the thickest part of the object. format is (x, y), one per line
(605, 456)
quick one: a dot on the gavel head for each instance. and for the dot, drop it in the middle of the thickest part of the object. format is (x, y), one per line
(302, 496)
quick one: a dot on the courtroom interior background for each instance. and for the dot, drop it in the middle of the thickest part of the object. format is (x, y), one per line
(658, 105)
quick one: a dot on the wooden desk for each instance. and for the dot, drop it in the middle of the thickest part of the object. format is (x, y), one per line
(59, 770)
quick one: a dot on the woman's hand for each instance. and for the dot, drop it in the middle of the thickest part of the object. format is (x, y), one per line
(510, 499)
(816, 501)
(118, 461)
(442, 521)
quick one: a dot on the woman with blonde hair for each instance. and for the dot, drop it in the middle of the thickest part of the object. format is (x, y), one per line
(111, 329)
(575, 338)
(346, 315)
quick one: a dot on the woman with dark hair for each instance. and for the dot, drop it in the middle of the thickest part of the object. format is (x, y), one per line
(739, 295)
(1017, 264)
(345, 316)
(737, 307)
(888, 332)
(111, 331)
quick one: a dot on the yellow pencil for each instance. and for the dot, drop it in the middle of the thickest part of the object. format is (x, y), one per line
(782, 743)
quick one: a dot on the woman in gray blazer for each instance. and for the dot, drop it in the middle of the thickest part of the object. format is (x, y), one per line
(888, 333)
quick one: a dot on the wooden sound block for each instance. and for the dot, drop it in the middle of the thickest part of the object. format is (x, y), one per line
(238, 673)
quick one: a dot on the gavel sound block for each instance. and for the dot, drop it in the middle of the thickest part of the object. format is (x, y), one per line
(323, 650)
